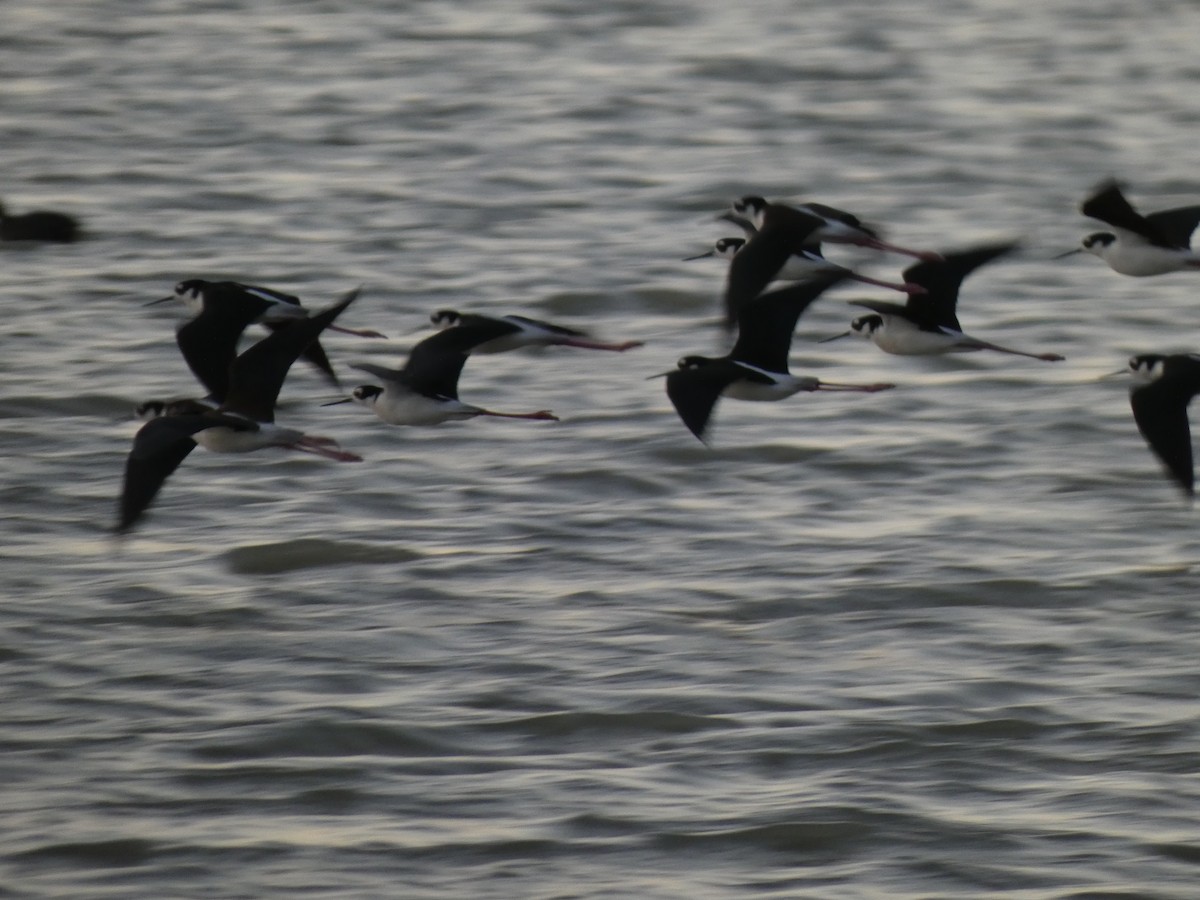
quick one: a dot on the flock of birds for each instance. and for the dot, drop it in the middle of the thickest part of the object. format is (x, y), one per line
(781, 244)
(237, 415)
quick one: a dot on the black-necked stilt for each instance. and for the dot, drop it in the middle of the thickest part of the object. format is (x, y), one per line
(837, 225)
(928, 323)
(243, 422)
(276, 308)
(804, 263)
(757, 366)
(425, 390)
(1163, 388)
(1153, 244)
(208, 342)
(780, 232)
(776, 232)
(38, 225)
(503, 333)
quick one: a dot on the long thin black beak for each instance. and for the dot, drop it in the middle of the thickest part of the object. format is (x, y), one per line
(336, 402)
(659, 375)
(1068, 253)
(835, 337)
(161, 300)
(701, 256)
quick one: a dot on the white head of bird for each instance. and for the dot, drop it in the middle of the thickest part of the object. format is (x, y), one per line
(865, 326)
(1146, 367)
(752, 208)
(365, 395)
(1097, 243)
(191, 292)
(445, 318)
(725, 248)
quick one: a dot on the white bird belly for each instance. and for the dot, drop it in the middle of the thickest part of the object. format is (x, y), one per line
(220, 439)
(902, 338)
(758, 392)
(417, 409)
(1143, 261)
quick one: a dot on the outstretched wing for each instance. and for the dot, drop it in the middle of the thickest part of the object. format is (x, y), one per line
(766, 324)
(1176, 225)
(1107, 204)
(314, 353)
(434, 364)
(257, 376)
(942, 279)
(694, 391)
(158, 448)
(209, 341)
(1160, 410)
(764, 255)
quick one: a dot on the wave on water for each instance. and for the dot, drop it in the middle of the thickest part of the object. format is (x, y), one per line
(310, 553)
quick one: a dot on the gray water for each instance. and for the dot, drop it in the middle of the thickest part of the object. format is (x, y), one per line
(938, 642)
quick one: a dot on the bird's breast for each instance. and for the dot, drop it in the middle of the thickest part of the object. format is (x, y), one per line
(759, 391)
(901, 337)
(223, 439)
(411, 408)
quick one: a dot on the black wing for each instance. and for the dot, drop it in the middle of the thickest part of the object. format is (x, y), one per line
(435, 363)
(158, 448)
(315, 354)
(209, 341)
(942, 278)
(257, 375)
(1176, 225)
(1160, 410)
(766, 324)
(694, 391)
(759, 261)
(1109, 205)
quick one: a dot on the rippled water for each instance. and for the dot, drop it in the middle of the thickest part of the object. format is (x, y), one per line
(935, 642)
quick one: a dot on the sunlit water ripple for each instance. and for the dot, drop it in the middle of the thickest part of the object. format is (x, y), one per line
(934, 642)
